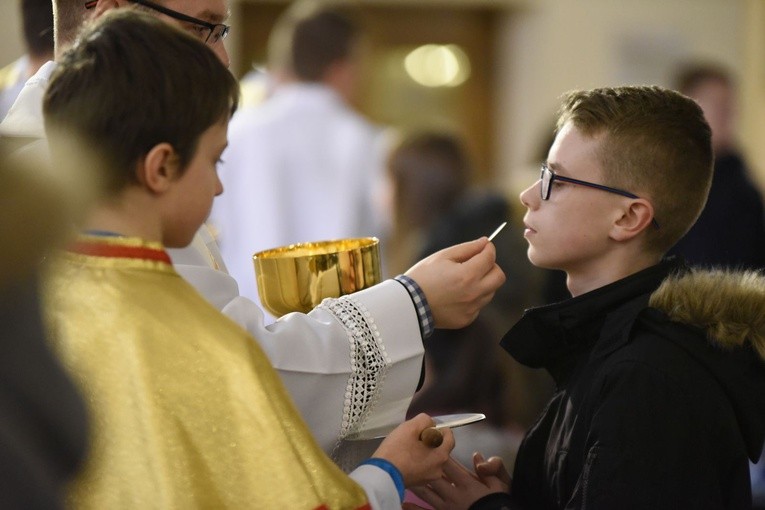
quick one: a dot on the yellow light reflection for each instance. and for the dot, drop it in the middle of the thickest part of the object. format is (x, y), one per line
(437, 65)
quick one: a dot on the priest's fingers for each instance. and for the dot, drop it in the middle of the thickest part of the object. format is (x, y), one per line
(465, 251)
(456, 291)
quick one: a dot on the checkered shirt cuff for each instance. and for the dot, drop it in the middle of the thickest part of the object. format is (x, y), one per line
(424, 315)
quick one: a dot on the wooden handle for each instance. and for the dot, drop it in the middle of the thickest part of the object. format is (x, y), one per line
(432, 437)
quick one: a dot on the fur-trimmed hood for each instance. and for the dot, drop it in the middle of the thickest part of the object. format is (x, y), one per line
(728, 305)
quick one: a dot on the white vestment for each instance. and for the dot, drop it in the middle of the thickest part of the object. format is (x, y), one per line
(350, 365)
(300, 167)
(12, 80)
(25, 116)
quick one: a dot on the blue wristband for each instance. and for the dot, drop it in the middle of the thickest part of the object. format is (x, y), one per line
(393, 472)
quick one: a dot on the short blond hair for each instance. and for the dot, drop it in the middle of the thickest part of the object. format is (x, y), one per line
(655, 143)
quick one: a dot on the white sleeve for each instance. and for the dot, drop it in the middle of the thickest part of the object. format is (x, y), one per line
(352, 364)
(379, 487)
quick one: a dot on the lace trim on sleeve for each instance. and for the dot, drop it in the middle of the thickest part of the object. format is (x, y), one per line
(369, 361)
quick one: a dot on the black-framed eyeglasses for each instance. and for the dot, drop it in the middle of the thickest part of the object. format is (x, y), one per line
(208, 32)
(547, 177)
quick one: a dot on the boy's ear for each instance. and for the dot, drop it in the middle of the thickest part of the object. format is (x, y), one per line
(105, 5)
(158, 168)
(635, 218)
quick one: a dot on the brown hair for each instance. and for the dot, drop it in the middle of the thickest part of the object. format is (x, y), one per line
(131, 82)
(655, 143)
(37, 16)
(311, 36)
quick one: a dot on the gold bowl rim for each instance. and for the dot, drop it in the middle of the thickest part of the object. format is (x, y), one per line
(317, 248)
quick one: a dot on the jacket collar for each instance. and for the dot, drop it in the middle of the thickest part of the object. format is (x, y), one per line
(552, 336)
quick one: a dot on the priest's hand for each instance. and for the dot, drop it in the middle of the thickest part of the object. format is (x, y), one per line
(458, 281)
(418, 462)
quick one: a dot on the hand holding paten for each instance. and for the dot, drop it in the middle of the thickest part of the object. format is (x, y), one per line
(418, 462)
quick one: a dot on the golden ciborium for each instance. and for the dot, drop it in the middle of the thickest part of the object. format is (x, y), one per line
(296, 278)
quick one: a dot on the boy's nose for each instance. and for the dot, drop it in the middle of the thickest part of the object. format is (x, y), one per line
(218, 186)
(530, 196)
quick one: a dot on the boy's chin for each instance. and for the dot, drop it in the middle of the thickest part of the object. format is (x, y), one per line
(535, 258)
(178, 240)
(539, 261)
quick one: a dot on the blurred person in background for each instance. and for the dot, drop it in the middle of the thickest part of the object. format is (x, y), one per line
(731, 229)
(24, 120)
(37, 24)
(304, 165)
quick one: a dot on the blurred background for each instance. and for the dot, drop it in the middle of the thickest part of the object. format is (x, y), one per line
(493, 69)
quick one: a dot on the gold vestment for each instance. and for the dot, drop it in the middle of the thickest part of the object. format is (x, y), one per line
(186, 410)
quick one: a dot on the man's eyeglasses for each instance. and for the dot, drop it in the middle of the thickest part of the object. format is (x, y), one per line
(547, 178)
(210, 33)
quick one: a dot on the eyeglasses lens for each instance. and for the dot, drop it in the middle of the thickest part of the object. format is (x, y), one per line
(544, 179)
(218, 33)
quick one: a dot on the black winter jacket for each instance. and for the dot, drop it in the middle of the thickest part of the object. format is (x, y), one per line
(660, 398)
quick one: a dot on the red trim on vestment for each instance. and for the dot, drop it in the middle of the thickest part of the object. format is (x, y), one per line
(120, 251)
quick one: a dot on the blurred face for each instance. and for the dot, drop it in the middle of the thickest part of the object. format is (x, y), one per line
(191, 197)
(569, 231)
(347, 73)
(212, 11)
(716, 100)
